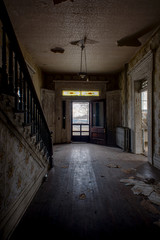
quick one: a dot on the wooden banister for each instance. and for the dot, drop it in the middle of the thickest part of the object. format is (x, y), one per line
(16, 81)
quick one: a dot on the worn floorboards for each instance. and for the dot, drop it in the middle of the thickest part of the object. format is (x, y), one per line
(84, 199)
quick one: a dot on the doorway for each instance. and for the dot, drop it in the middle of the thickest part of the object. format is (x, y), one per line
(97, 122)
(88, 122)
(80, 121)
(144, 120)
(142, 73)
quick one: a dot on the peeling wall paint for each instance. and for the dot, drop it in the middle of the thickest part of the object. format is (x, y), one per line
(152, 45)
(21, 173)
(37, 75)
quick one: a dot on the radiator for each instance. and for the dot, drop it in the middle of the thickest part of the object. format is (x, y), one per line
(123, 138)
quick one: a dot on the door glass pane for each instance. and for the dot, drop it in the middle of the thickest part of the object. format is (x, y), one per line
(75, 127)
(80, 112)
(98, 114)
(76, 133)
(85, 133)
(85, 128)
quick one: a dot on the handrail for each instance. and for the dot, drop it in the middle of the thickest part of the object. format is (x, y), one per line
(16, 81)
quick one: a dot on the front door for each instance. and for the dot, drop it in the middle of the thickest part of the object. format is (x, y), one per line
(80, 121)
(97, 119)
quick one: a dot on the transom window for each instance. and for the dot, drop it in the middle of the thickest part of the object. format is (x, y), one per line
(80, 93)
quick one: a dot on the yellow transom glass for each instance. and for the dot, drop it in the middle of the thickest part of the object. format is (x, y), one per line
(70, 93)
(90, 93)
(80, 93)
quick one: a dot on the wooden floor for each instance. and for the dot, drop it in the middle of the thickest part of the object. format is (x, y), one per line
(83, 197)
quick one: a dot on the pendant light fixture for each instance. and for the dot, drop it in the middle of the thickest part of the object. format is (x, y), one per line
(83, 63)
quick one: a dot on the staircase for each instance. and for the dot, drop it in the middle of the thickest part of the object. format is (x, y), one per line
(25, 139)
(16, 83)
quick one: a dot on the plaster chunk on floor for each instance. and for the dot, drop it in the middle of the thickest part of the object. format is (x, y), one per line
(142, 188)
(112, 165)
(129, 170)
(129, 181)
(139, 187)
(149, 206)
(147, 188)
(155, 198)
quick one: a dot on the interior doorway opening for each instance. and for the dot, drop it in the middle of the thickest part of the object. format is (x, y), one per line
(140, 117)
(144, 114)
(80, 130)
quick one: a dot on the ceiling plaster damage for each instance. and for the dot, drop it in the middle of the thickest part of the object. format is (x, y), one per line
(57, 50)
(133, 40)
(60, 27)
(60, 1)
(83, 41)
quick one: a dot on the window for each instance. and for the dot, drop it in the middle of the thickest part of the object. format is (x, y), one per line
(90, 93)
(70, 93)
(144, 101)
(80, 93)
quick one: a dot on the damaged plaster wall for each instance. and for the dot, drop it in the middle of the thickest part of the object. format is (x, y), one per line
(152, 46)
(21, 172)
(35, 72)
(48, 106)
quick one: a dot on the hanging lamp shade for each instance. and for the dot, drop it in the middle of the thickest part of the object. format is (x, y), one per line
(83, 63)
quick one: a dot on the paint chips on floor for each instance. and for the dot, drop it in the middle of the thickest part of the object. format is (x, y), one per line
(82, 196)
(152, 191)
(148, 188)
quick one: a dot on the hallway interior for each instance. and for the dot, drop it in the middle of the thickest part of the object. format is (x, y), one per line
(103, 57)
(83, 198)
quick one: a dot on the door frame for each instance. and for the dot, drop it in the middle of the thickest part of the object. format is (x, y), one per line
(98, 133)
(143, 70)
(80, 138)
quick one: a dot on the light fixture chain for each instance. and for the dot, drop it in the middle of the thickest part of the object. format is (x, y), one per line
(85, 59)
(81, 59)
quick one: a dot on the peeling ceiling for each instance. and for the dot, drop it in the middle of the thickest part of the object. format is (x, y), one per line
(44, 25)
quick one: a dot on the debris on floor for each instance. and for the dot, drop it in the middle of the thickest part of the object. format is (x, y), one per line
(142, 188)
(129, 170)
(129, 181)
(149, 206)
(147, 187)
(155, 197)
(112, 165)
(149, 180)
(64, 166)
(82, 196)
